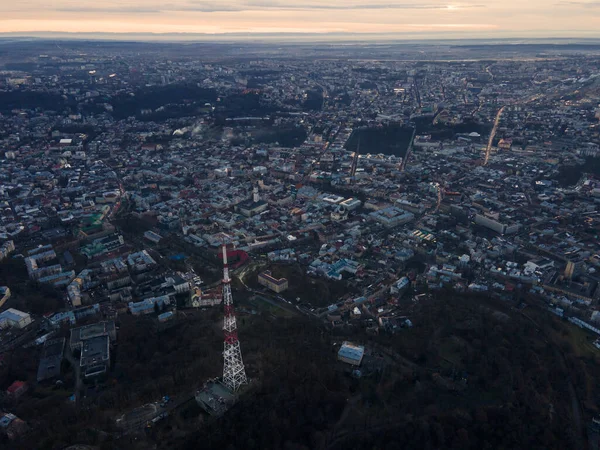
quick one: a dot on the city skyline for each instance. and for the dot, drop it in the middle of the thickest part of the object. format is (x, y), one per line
(403, 19)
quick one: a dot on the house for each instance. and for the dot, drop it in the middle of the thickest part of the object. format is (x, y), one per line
(17, 389)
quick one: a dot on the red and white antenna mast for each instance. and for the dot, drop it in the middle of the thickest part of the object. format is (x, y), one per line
(234, 373)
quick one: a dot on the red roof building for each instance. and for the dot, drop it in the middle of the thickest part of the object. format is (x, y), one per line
(17, 389)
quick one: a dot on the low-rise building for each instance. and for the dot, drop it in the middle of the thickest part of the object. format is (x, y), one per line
(152, 236)
(14, 318)
(80, 334)
(6, 249)
(95, 356)
(494, 223)
(17, 389)
(147, 306)
(351, 353)
(392, 216)
(4, 295)
(51, 359)
(276, 285)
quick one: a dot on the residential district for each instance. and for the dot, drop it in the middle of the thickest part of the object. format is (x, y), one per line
(123, 173)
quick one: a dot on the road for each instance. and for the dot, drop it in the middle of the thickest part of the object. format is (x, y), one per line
(77, 369)
(410, 146)
(492, 136)
(140, 417)
(439, 197)
(577, 421)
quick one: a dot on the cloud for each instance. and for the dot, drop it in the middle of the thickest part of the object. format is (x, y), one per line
(117, 10)
(580, 4)
(210, 6)
(258, 5)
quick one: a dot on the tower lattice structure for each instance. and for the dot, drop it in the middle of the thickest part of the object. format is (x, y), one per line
(234, 372)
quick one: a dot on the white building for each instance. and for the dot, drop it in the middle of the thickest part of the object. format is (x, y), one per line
(14, 318)
(351, 353)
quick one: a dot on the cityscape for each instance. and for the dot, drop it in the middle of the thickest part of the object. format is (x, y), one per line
(265, 245)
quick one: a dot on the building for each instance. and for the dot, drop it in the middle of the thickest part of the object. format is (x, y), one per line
(94, 343)
(392, 216)
(14, 318)
(51, 359)
(351, 353)
(164, 317)
(62, 317)
(12, 426)
(351, 204)
(95, 356)
(6, 249)
(253, 206)
(75, 287)
(79, 335)
(400, 286)
(493, 222)
(17, 389)
(276, 285)
(4, 295)
(147, 306)
(152, 236)
(140, 261)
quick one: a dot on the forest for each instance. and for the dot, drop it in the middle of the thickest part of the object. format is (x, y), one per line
(569, 174)
(157, 96)
(18, 99)
(472, 373)
(389, 140)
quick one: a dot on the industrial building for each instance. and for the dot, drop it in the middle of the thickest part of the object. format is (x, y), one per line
(276, 285)
(351, 353)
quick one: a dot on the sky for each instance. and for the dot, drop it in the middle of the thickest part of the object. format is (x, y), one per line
(410, 18)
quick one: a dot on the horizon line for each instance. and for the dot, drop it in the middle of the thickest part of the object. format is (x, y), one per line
(585, 35)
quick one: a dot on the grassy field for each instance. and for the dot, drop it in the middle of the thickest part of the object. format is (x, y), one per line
(269, 308)
(317, 292)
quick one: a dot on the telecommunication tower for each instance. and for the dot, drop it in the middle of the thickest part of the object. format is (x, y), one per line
(234, 372)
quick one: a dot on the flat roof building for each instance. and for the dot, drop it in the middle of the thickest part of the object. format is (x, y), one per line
(14, 318)
(276, 285)
(493, 222)
(95, 356)
(392, 216)
(51, 359)
(79, 335)
(351, 353)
